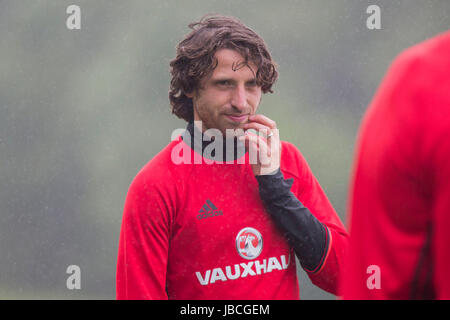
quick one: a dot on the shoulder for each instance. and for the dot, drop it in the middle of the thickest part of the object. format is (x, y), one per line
(415, 83)
(292, 160)
(161, 171)
(431, 52)
(414, 92)
(416, 66)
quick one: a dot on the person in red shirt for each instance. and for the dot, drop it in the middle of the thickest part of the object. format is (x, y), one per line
(400, 193)
(206, 220)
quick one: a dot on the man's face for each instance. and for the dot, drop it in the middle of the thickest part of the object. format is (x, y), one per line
(227, 97)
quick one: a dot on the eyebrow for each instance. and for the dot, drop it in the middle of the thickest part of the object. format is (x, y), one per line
(220, 79)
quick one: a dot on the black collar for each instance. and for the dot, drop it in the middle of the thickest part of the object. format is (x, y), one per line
(199, 142)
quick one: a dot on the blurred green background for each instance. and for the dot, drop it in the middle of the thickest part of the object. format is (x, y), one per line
(81, 111)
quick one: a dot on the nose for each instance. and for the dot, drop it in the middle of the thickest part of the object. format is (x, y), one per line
(239, 98)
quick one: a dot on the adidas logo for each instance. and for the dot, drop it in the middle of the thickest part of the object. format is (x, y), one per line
(208, 210)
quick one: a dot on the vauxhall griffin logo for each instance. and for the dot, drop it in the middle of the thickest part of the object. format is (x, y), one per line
(249, 243)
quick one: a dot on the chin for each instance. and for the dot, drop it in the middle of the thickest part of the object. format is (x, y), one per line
(233, 126)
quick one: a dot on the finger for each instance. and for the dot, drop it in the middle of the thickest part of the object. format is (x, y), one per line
(251, 138)
(260, 134)
(268, 135)
(260, 128)
(259, 151)
(260, 118)
(250, 146)
(254, 138)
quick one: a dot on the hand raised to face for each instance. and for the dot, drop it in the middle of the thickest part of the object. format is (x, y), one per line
(265, 145)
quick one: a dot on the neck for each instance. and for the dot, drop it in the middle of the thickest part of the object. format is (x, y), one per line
(214, 146)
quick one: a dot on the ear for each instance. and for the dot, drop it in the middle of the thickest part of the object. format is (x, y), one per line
(189, 94)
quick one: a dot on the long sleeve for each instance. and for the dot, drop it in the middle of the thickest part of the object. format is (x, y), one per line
(308, 219)
(304, 232)
(144, 243)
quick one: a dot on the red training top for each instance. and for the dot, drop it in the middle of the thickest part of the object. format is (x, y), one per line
(400, 195)
(200, 231)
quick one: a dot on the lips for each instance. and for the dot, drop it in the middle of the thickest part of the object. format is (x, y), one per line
(238, 118)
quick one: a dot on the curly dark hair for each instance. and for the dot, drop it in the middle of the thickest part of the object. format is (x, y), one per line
(195, 58)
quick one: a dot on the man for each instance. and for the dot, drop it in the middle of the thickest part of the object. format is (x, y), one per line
(400, 195)
(218, 225)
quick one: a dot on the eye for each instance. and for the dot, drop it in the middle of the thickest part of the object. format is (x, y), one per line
(252, 84)
(224, 83)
